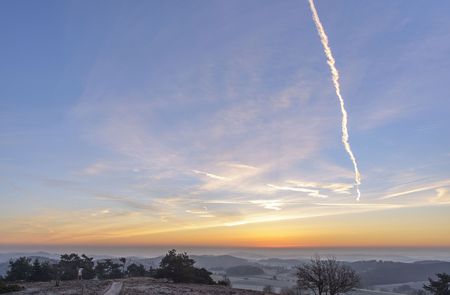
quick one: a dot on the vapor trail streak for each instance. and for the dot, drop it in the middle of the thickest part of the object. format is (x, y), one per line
(335, 77)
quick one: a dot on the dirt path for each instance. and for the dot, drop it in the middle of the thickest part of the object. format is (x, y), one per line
(115, 289)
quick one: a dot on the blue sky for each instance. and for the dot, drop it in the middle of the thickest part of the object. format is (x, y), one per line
(148, 116)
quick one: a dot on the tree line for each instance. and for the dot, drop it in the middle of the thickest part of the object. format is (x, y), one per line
(67, 268)
(177, 267)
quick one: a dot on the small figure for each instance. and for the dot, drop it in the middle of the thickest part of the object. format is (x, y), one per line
(57, 274)
(80, 274)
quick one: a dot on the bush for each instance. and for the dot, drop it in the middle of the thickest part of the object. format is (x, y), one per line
(4, 288)
(287, 291)
(180, 268)
(225, 281)
(406, 289)
(151, 272)
(268, 289)
(202, 276)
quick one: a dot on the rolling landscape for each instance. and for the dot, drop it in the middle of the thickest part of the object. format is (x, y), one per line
(256, 273)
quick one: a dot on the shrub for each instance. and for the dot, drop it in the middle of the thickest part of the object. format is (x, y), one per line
(225, 281)
(180, 268)
(4, 288)
(268, 289)
(287, 291)
(202, 276)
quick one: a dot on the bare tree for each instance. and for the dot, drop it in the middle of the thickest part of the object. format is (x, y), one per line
(340, 278)
(312, 276)
(326, 276)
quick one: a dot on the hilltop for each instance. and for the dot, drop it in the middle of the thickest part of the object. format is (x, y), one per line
(131, 286)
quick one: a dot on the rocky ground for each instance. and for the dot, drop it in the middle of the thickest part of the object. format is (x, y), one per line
(131, 286)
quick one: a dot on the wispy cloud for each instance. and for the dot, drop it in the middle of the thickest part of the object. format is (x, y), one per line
(310, 192)
(268, 204)
(211, 175)
(416, 190)
(442, 196)
(201, 213)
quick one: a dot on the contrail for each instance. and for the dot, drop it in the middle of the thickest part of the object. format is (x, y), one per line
(335, 77)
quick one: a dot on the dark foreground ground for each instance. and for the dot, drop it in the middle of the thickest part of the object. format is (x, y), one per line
(150, 286)
(90, 287)
(131, 286)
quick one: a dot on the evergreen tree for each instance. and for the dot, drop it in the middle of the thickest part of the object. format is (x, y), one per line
(70, 263)
(439, 286)
(19, 269)
(134, 270)
(180, 268)
(41, 272)
(108, 269)
(87, 263)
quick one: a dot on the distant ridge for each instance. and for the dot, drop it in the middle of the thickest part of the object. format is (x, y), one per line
(372, 272)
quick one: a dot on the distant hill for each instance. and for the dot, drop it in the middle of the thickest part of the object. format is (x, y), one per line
(206, 261)
(3, 268)
(5, 257)
(218, 262)
(244, 270)
(281, 262)
(387, 272)
(247, 255)
(147, 262)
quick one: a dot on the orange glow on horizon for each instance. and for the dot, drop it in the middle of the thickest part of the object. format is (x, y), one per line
(392, 228)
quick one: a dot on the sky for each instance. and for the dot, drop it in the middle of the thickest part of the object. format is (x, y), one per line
(216, 124)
